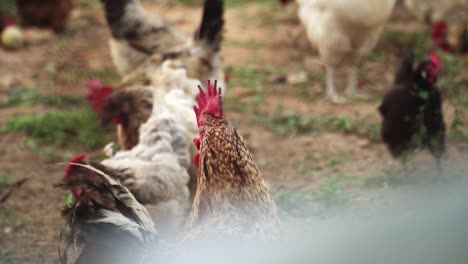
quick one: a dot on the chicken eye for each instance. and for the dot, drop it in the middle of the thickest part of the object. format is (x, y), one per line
(424, 74)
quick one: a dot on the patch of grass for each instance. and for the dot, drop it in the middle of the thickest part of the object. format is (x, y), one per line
(376, 55)
(289, 123)
(89, 4)
(384, 180)
(245, 44)
(248, 76)
(420, 39)
(296, 203)
(459, 126)
(332, 192)
(23, 96)
(5, 179)
(77, 74)
(316, 161)
(82, 128)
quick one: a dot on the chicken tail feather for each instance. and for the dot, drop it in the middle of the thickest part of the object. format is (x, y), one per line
(105, 224)
(211, 27)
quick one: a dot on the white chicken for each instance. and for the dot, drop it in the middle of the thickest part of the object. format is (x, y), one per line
(156, 169)
(130, 106)
(344, 31)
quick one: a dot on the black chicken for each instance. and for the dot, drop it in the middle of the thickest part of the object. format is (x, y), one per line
(412, 111)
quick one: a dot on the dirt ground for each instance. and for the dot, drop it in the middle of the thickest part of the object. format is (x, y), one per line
(333, 165)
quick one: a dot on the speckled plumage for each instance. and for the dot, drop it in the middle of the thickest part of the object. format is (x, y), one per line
(232, 197)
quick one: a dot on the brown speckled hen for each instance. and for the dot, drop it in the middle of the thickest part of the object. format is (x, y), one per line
(231, 196)
(412, 111)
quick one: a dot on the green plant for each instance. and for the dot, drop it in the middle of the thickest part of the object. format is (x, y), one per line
(459, 126)
(82, 128)
(293, 202)
(332, 192)
(284, 123)
(420, 39)
(290, 123)
(4, 179)
(23, 96)
(343, 125)
(89, 4)
(245, 44)
(69, 200)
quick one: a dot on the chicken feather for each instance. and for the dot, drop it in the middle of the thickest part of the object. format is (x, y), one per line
(343, 32)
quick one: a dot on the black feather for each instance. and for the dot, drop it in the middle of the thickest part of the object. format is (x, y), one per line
(412, 113)
(211, 27)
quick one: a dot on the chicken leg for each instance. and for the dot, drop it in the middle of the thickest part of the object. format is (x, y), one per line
(352, 81)
(331, 91)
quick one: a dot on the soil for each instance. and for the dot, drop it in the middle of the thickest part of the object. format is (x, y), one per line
(257, 35)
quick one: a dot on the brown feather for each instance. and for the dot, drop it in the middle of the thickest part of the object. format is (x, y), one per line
(231, 191)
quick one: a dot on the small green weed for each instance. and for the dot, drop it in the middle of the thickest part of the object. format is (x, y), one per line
(290, 123)
(284, 123)
(30, 97)
(4, 179)
(296, 203)
(81, 127)
(332, 192)
(245, 44)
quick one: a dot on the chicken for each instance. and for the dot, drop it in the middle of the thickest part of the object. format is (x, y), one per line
(11, 35)
(105, 224)
(231, 196)
(156, 169)
(130, 106)
(449, 22)
(52, 14)
(137, 36)
(343, 32)
(412, 111)
(198, 62)
(127, 109)
(108, 224)
(432, 11)
(451, 37)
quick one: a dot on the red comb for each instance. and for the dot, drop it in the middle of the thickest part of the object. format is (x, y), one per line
(439, 36)
(436, 60)
(209, 102)
(97, 94)
(70, 166)
(76, 191)
(8, 22)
